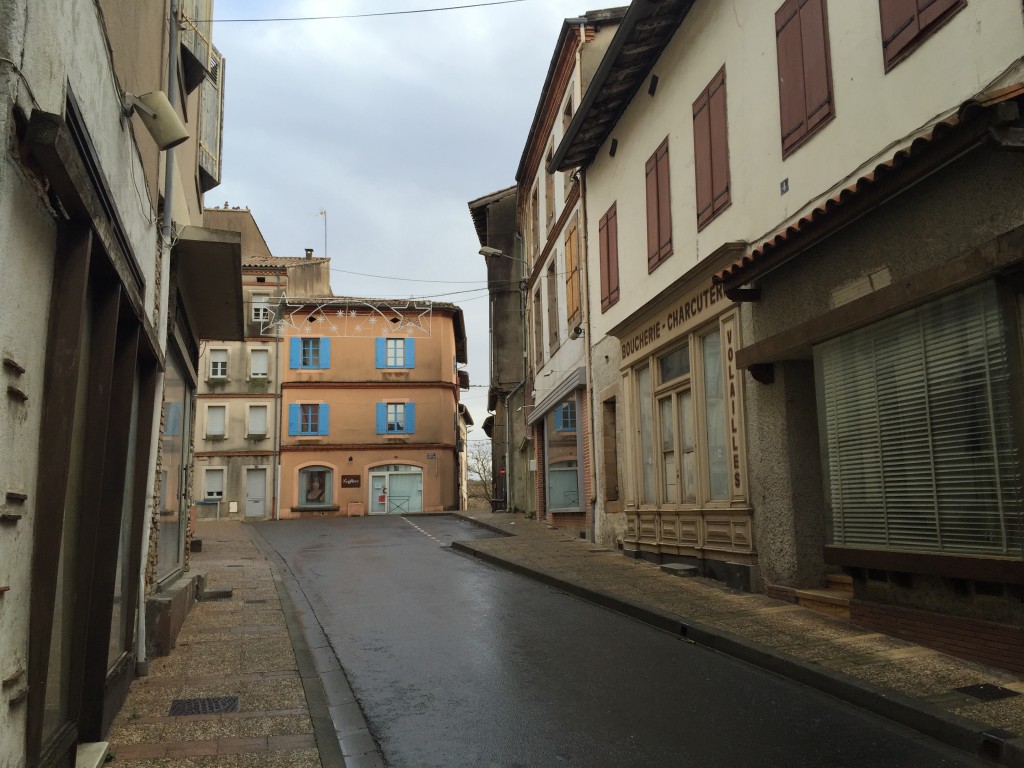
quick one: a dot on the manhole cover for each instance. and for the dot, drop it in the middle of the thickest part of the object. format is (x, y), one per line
(987, 692)
(213, 705)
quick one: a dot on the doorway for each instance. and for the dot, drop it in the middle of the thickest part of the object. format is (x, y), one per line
(396, 489)
(256, 493)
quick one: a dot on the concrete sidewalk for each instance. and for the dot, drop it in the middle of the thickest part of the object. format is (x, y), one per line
(907, 683)
(238, 646)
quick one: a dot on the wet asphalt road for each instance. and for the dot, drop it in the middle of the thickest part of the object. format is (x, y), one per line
(457, 663)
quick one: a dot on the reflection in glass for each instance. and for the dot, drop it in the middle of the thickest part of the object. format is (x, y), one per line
(173, 447)
(643, 381)
(669, 490)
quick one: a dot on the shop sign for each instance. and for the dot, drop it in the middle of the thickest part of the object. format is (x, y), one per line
(699, 305)
(351, 481)
(730, 336)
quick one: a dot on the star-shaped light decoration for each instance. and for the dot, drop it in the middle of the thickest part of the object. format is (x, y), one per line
(353, 313)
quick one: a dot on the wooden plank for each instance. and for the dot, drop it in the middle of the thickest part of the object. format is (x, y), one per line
(60, 385)
(1003, 570)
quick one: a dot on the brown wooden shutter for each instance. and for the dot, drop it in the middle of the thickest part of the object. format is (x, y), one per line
(817, 66)
(899, 26)
(702, 157)
(613, 256)
(572, 274)
(719, 142)
(602, 240)
(664, 204)
(789, 46)
(653, 240)
(930, 11)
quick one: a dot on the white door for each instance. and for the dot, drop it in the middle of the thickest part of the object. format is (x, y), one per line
(255, 492)
(378, 494)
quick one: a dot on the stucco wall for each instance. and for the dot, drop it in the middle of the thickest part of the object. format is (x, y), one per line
(609, 518)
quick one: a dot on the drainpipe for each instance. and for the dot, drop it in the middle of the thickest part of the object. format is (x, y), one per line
(276, 467)
(588, 358)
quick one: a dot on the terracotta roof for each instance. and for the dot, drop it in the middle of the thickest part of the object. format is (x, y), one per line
(278, 262)
(784, 244)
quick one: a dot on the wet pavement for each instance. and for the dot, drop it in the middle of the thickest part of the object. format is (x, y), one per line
(496, 670)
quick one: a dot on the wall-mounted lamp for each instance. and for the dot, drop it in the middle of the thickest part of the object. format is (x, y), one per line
(487, 252)
(158, 116)
(576, 332)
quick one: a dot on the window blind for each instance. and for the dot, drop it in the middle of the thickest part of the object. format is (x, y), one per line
(918, 429)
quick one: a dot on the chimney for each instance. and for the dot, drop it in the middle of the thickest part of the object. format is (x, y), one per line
(309, 253)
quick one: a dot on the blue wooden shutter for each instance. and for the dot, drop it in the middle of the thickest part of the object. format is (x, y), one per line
(325, 352)
(382, 352)
(410, 417)
(294, 417)
(324, 419)
(295, 352)
(410, 353)
(382, 418)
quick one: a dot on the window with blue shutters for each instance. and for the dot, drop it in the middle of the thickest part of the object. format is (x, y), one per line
(396, 418)
(305, 419)
(309, 353)
(396, 353)
(565, 417)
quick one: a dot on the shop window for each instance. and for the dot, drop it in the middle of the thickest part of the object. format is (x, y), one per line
(711, 151)
(395, 353)
(315, 487)
(562, 457)
(312, 352)
(906, 24)
(917, 421)
(565, 417)
(805, 74)
(678, 465)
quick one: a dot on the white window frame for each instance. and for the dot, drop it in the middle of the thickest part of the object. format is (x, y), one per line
(214, 376)
(252, 358)
(206, 421)
(207, 471)
(248, 420)
(260, 309)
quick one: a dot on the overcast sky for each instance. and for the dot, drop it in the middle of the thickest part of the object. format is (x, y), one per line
(390, 124)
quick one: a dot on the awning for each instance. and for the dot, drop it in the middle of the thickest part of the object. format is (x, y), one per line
(209, 278)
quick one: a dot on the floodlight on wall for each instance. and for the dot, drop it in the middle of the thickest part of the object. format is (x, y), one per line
(487, 252)
(159, 117)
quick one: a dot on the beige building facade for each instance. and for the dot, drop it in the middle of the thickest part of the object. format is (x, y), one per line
(751, 136)
(371, 419)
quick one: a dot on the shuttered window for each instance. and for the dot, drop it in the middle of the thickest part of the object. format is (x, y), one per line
(805, 76)
(572, 274)
(711, 150)
(917, 420)
(553, 319)
(608, 236)
(906, 24)
(659, 208)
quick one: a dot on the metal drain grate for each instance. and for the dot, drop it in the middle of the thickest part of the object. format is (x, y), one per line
(987, 692)
(213, 705)
(254, 602)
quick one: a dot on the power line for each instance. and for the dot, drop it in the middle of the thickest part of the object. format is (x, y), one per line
(367, 15)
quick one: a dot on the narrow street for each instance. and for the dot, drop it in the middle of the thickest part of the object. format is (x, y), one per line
(457, 663)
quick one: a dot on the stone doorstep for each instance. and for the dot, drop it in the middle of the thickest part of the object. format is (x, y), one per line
(92, 755)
